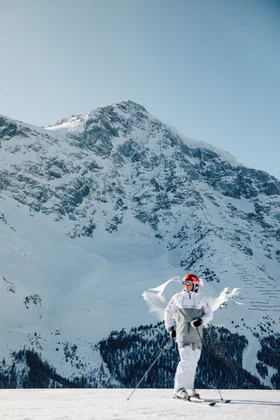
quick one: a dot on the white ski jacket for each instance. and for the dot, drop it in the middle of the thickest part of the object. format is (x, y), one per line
(184, 307)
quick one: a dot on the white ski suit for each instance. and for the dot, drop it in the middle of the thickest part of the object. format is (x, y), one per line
(184, 307)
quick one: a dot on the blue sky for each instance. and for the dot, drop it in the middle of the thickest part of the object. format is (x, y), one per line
(209, 68)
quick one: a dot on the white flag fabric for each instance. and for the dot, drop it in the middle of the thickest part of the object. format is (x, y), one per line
(158, 298)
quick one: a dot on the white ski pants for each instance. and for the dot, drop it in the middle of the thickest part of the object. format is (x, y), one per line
(186, 369)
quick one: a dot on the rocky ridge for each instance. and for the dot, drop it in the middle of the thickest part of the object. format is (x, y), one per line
(120, 171)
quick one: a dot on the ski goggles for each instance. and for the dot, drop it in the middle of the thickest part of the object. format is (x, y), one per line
(187, 282)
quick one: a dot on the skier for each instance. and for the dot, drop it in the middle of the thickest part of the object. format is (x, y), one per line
(192, 310)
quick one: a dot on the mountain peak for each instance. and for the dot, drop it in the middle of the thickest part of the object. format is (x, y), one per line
(122, 195)
(76, 122)
(129, 105)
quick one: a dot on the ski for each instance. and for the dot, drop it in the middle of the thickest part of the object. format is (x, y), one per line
(208, 400)
(197, 401)
(201, 400)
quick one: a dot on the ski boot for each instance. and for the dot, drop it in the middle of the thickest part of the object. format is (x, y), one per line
(181, 394)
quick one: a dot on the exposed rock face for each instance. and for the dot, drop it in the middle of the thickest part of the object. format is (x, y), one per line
(91, 173)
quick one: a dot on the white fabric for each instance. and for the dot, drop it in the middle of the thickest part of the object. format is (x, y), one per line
(157, 298)
(186, 369)
(186, 299)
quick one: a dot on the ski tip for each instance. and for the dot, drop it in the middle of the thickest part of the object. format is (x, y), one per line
(227, 401)
(212, 404)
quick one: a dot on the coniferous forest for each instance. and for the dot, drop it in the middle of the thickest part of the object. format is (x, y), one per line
(127, 355)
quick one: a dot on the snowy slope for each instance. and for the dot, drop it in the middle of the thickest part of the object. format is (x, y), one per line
(104, 205)
(148, 404)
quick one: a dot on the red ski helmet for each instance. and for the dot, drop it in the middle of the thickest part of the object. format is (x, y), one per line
(194, 279)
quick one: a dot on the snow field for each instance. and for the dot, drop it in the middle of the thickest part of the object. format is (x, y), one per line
(155, 404)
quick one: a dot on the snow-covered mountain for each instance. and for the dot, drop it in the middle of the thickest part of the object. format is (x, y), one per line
(102, 206)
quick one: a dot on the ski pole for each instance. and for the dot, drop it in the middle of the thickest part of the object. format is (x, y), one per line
(150, 367)
(206, 358)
